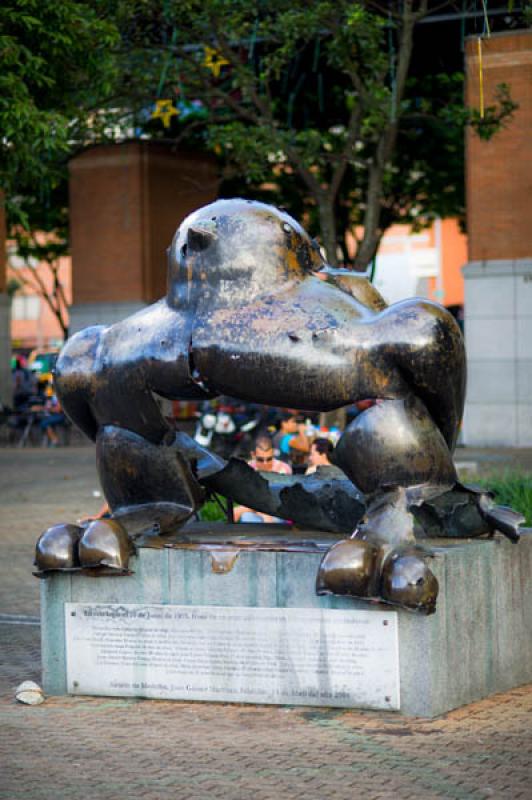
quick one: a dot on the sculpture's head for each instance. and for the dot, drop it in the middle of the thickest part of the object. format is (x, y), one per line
(235, 249)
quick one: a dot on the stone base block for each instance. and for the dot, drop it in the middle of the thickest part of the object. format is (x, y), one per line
(477, 643)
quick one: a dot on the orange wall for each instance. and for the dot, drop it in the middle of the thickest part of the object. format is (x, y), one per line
(454, 256)
(41, 332)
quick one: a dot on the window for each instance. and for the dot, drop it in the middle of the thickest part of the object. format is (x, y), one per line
(16, 262)
(26, 307)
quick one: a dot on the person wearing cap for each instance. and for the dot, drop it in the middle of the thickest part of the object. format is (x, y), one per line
(52, 417)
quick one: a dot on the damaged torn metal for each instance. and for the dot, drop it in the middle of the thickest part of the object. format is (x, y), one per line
(326, 500)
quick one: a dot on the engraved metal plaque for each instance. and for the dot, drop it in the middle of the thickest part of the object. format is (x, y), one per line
(303, 656)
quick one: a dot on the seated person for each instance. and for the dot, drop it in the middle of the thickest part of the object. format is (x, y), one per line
(320, 450)
(263, 460)
(52, 417)
(24, 384)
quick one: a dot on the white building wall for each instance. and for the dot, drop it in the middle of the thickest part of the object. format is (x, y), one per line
(498, 332)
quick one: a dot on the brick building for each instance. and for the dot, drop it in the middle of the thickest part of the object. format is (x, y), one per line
(126, 202)
(498, 276)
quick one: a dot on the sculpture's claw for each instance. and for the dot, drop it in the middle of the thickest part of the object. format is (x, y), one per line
(103, 548)
(349, 567)
(105, 545)
(57, 549)
(406, 581)
(500, 518)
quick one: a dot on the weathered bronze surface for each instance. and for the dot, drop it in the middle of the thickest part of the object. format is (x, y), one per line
(253, 311)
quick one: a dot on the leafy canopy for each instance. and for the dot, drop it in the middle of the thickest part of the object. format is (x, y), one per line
(308, 105)
(56, 66)
(311, 105)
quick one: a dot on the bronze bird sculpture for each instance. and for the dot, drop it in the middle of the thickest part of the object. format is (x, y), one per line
(253, 311)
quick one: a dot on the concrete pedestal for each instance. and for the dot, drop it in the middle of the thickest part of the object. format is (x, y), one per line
(477, 643)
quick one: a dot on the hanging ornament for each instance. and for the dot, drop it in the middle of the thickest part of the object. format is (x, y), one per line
(480, 79)
(164, 110)
(487, 34)
(214, 61)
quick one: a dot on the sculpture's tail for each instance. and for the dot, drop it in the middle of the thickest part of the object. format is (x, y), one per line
(500, 518)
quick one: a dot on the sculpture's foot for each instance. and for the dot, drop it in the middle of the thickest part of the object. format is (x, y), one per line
(381, 560)
(102, 548)
(105, 545)
(397, 576)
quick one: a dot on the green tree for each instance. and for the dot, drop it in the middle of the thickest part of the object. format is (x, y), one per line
(56, 65)
(310, 104)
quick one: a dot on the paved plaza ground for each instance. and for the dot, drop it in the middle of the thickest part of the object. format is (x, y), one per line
(113, 748)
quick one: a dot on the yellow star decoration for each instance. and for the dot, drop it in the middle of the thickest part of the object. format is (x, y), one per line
(164, 110)
(214, 61)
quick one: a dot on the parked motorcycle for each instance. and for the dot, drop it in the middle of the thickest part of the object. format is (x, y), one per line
(227, 432)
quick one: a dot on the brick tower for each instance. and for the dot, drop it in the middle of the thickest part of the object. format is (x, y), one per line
(126, 202)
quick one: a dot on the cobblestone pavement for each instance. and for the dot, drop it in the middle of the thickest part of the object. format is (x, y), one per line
(112, 748)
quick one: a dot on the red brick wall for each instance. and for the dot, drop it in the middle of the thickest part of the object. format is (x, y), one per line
(499, 171)
(174, 186)
(126, 202)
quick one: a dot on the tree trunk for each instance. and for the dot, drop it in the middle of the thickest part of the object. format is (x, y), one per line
(388, 137)
(328, 227)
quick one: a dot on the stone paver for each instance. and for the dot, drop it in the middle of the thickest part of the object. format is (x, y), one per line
(112, 748)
